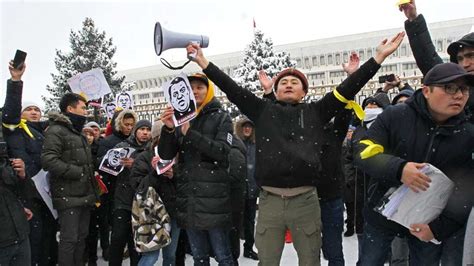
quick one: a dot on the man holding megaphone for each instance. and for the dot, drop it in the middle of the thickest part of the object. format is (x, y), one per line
(289, 137)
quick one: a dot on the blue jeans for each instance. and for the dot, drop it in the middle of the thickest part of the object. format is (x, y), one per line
(376, 243)
(169, 252)
(218, 238)
(17, 254)
(332, 218)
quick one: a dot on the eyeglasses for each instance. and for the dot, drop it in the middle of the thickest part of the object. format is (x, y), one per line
(452, 89)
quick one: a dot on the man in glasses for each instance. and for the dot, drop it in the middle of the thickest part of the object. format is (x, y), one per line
(431, 127)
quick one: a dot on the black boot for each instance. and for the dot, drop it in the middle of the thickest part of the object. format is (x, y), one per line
(250, 254)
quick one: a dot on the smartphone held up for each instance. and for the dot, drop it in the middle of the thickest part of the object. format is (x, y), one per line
(19, 59)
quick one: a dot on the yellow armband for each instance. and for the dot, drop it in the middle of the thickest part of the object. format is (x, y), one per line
(350, 105)
(21, 125)
(372, 149)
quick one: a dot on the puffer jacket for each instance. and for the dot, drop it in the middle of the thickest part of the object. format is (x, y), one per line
(203, 182)
(67, 157)
(108, 143)
(15, 227)
(124, 192)
(20, 144)
(289, 136)
(252, 188)
(408, 134)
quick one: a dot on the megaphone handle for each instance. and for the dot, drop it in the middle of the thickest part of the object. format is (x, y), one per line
(192, 56)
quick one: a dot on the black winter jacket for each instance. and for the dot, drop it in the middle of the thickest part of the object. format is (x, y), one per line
(108, 143)
(124, 192)
(425, 53)
(19, 143)
(289, 137)
(143, 176)
(203, 183)
(408, 134)
(252, 189)
(15, 227)
(67, 157)
(332, 175)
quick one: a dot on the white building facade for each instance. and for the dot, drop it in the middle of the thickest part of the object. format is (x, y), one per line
(319, 59)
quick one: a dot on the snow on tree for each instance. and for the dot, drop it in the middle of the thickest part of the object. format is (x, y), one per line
(258, 55)
(89, 49)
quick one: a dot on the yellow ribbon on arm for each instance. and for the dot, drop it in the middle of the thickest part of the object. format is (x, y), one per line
(350, 105)
(21, 125)
(372, 149)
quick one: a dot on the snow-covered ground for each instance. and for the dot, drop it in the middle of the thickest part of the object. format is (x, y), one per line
(289, 257)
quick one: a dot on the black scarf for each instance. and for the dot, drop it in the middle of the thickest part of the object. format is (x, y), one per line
(77, 121)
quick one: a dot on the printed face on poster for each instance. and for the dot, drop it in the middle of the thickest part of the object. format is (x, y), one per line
(91, 83)
(111, 161)
(109, 109)
(124, 100)
(179, 94)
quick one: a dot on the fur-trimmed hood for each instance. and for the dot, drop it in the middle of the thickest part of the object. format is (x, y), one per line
(117, 121)
(59, 118)
(240, 132)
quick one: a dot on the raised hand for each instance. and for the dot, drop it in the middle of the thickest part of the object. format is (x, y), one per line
(265, 81)
(409, 9)
(353, 64)
(16, 74)
(167, 117)
(386, 47)
(195, 49)
(389, 85)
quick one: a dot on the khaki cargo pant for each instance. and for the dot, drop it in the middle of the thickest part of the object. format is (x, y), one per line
(301, 214)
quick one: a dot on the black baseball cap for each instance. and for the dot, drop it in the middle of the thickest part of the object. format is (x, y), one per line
(453, 49)
(447, 72)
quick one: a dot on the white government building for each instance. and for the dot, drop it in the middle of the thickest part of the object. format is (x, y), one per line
(319, 59)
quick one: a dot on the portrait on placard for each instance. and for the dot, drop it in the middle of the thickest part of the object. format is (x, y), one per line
(179, 94)
(124, 100)
(109, 109)
(92, 84)
(111, 161)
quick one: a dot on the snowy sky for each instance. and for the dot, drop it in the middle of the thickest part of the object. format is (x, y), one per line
(39, 27)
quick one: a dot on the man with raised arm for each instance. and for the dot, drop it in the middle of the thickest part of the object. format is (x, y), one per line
(289, 140)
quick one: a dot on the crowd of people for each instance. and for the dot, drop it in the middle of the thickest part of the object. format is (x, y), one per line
(300, 164)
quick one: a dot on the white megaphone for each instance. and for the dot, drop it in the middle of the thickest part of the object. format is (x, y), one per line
(166, 39)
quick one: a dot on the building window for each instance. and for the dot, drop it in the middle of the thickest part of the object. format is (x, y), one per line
(315, 61)
(439, 45)
(369, 53)
(298, 63)
(404, 50)
(330, 59)
(306, 63)
(322, 61)
(338, 59)
(345, 57)
(362, 55)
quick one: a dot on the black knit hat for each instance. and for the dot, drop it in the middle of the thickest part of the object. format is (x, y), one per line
(140, 124)
(453, 49)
